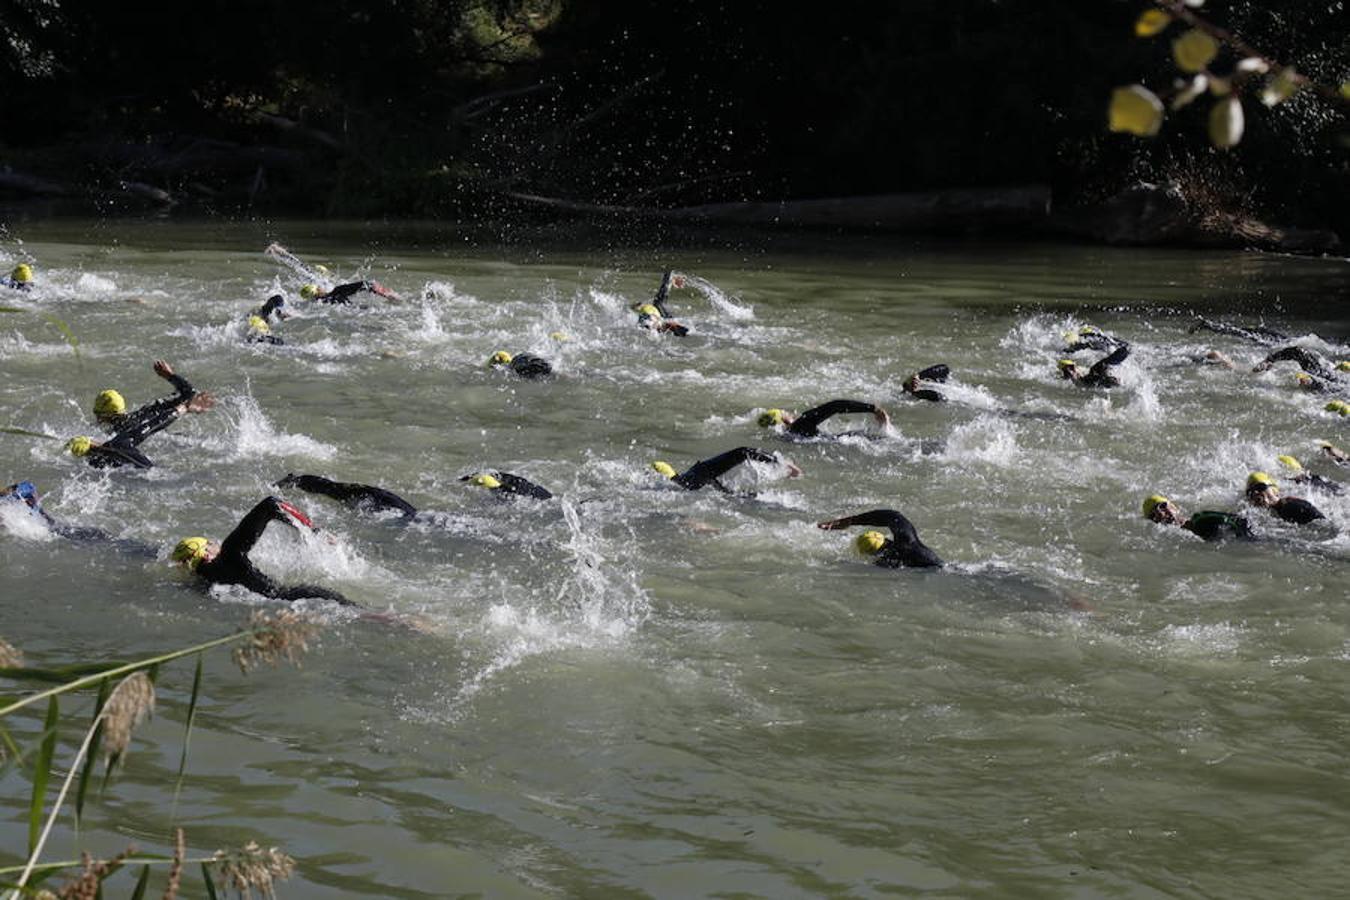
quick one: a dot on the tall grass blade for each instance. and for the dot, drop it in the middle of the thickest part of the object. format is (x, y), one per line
(209, 881)
(191, 715)
(42, 769)
(141, 883)
(91, 760)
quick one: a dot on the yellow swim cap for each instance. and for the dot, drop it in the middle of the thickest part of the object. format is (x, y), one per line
(558, 336)
(647, 309)
(259, 325)
(500, 358)
(1290, 463)
(79, 446)
(1067, 364)
(309, 291)
(1070, 337)
(1152, 502)
(109, 403)
(484, 480)
(1089, 329)
(190, 550)
(770, 418)
(1343, 366)
(23, 273)
(1303, 378)
(1338, 406)
(1256, 478)
(664, 468)
(869, 543)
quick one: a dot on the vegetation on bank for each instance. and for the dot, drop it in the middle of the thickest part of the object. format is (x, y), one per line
(451, 107)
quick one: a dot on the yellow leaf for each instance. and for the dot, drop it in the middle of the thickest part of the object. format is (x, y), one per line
(1345, 89)
(1194, 50)
(1226, 123)
(1135, 110)
(1281, 86)
(1151, 22)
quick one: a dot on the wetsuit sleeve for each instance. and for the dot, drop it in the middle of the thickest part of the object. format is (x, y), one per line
(659, 301)
(808, 423)
(142, 428)
(938, 373)
(114, 457)
(1297, 510)
(1306, 359)
(249, 529)
(348, 492)
(1118, 356)
(514, 484)
(928, 394)
(273, 303)
(343, 292)
(303, 591)
(709, 470)
(905, 548)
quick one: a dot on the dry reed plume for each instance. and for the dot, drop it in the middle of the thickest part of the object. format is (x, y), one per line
(176, 870)
(11, 657)
(252, 867)
(274, 638)
(85, 886)
(131, 701)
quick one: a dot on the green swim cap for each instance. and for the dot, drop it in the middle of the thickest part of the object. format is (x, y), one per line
(109, 403)
(190, 550)
(1152, 502)
(1259, 478)
(23, 273)
(500, 358)
(664, 468)
(869, 543)
(770, 418)
(79, 446)
(309, 291)
(1290, 463)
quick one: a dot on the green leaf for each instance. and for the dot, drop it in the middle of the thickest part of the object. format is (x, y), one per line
(42, 769)
(191, 715)
(1194, 50)
(210, 883)
(1151, 22)
(91, 758)
(141, 882)
(1136, 110)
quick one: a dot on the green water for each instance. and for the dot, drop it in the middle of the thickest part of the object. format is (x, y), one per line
(638, 691)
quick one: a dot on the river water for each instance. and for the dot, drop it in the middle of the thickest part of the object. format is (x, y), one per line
(638, 691)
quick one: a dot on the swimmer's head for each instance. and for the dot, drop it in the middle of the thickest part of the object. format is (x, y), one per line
(869, 543)
(258, 325)
(1067, 368)
(483, 480)
(1261, 489)
(24, 490)
(22, 273)
(109, 403)
(1089, 330)
(1290, 463)
(500, 358)
(771, 418)
(1338, 406)
(79, 446)
(1303, 379)
(191, 550)
(309, 291)
(1158, 508)
(646, 309)
(1343, 366)
(665, 469)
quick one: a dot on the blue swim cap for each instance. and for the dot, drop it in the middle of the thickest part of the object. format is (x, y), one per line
(25, 491)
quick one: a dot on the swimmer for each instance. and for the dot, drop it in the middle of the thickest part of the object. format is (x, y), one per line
(505, 486)
(937, 373)
(1300, 475)
(903, 549)
(364, 497)
(342, 294)
(1218, 359)
(655, 316)
(708, 471)
(20, 278)
(110, 408)
(1099, 374)
(26, 492)
(260, 324)
(1314, 385)
(1208, 524)
(1262, 492)
(1334, 453)
(122, 448)
(1310, 362)
(228, 562)
(1089, 337)
(1257, 334)
(526, 365)
(807, 425)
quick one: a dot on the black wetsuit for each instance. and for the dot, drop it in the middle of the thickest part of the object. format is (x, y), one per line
(1257, 334)
(1296, 510)
(527, 365)
(264, 312)
(1318, 482)
(1093, 341)
(16, 285)
(938, 373)
(904, 549)
(659, 301)
(343, 292)
(153, 410)
(808, 424)
(1100, 375)
(1307, 360)
(709, 471)
(365, 497)
(1213, 525)
(78, 534)
(513, 486)
(232, 565)
(121, 449)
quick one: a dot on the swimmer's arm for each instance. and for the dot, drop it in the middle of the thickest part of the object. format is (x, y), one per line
(250, 528)
(900, 527)
(807, 423)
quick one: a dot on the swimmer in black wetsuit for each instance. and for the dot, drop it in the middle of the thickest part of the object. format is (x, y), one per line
(506, 486)
(122, 448)
(260, 322)
(228, 562)
(1099, 376)
(1089, 337)
(1299, 475)
(1257, 334)
(1334, 453)
(1262, 492)
(938, 373)
(709, 471)
(1310, 362)
(807, 425)
(364, 497)
(904, 549)
(526, 365)
(110, 409)
(1209, 524)
(342, 294)
(20, 278)
(655, 316)
(26, 492)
